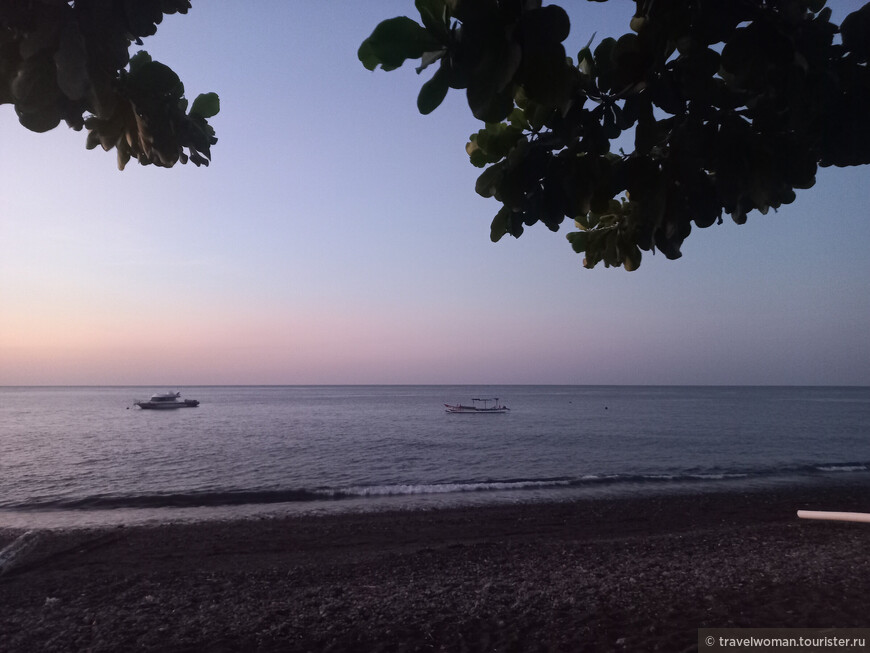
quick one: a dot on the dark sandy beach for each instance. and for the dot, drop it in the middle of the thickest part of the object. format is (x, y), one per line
(639, 574)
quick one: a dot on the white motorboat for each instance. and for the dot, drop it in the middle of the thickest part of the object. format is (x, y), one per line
(165, 400)
(476, 407)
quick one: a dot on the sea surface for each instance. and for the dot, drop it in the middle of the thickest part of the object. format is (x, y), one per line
(83, 456)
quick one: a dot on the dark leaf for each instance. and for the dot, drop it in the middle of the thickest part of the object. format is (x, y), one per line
(206, 105)
(631, 61)
(44, 37)
(489, 180)
(433, 92)
(545, 75)
(578, 241)
(71, 60)
(435, 18)
(40, 119)
(545, 25)
(138, 60)
(501, 224)
(394, 41)
(632, 258)
(143, 16)
(488, 106)
(604, 63)
(35, 84)
(856, 32)
(154, 79)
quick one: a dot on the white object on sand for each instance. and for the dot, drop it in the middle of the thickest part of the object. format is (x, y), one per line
(834, 516)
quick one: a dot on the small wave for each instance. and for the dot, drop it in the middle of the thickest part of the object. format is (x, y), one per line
(444, 488)
(176, 500)
(718, 476)
(844, 467)
(592, 479)
(209, 499)
(236, 498)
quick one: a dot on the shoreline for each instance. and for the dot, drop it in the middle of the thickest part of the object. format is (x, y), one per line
(117, 513)
(629, 573)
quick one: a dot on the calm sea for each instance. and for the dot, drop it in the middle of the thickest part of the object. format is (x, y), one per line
(84, 455)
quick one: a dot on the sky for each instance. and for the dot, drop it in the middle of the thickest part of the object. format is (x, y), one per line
(336, 238)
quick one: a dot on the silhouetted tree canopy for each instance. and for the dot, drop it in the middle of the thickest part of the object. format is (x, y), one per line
(733, 104)
(64, 60)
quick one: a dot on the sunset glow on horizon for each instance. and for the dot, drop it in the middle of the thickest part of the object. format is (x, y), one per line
(336, 238)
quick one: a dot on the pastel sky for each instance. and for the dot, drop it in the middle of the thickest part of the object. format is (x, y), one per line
(336, 238)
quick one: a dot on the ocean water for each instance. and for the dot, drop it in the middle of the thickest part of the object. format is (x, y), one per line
(80, 456)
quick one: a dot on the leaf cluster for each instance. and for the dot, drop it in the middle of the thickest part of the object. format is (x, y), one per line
(65, 61)
(732, 106)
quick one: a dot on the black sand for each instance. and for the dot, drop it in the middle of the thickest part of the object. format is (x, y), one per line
(622, 574)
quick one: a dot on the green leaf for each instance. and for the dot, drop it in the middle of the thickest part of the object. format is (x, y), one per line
(395, 40)
(856, 32)
(142, 17)
(501, 224)
(494, 142)
(488, 106)
(518, 119)
(604, 64)
(433, 92)
(578, 241)
(40, 120)
(489, 180)
(631, 60)
(545, 74)
(206, 105)
(550, 24)
(367, 56)
(138, 60)
(435, 17)
(586, 62)
(154, 79)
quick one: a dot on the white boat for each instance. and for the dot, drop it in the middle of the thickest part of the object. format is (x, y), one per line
(477, 408)
(166, 400)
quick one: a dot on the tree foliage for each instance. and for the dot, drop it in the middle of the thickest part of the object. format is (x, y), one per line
(70, 61)
(732, 105)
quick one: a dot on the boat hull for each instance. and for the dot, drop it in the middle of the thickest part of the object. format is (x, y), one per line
(472, 410)
(167, 405)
